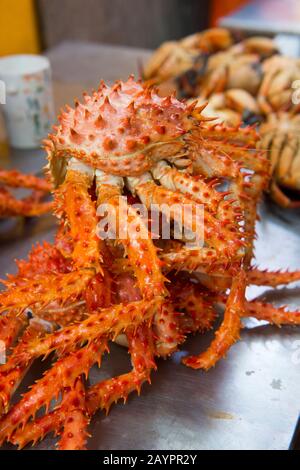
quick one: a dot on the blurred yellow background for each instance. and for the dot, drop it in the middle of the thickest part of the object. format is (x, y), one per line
(19, 31)
(18, 27)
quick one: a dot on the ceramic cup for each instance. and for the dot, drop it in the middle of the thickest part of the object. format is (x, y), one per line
(26, 98)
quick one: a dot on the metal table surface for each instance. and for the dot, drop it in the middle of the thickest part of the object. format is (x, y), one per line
(249, 401)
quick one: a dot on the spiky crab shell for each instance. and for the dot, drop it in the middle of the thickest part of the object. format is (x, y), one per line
(122, 130)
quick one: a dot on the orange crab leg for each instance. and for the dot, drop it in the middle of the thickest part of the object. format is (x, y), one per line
(74, 200)
(167, 330)
(42, 290)
(259, 277)
(195, 302)
(255, 277)
(137, 242)
(238, 135)
(12, 373)
(73, 413)
(224, 221)
(99, 396)
(47, 258)
(15, 179)
(74, 435)
(70, 414)
(142, 349)
(204, 260)
(259, 310)
(63, 374)
(98, 292)
(214, 235)
(277, 316)
(35, 431)
(143, 259)
(41, 259)
(255, 161)
(10, 327)
(108, 321)
(212, 160)
(28, 207)
(198, 189)
(229, 331)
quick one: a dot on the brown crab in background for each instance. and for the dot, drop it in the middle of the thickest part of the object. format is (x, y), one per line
(219, 66)
(280, 136)
(232, 107)
(280, 74)
(245, 82)
(174, 58)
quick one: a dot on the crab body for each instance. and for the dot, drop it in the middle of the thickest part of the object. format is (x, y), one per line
(276, 90)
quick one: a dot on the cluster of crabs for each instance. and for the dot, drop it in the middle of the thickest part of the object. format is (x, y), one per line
(242, 83)
(248, 81)
(70, 299)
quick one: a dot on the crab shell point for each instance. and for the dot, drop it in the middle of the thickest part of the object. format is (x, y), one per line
(115, 127)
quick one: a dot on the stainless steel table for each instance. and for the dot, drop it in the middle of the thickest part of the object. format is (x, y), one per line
(249, 401)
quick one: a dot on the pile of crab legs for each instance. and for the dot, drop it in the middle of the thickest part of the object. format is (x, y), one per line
(72, 297)
(28, 206)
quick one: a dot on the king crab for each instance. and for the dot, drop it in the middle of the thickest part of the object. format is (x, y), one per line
(126, 140)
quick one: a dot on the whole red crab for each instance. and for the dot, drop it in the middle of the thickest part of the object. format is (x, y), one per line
(125, 140)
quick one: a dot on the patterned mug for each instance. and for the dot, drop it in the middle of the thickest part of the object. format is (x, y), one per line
(26, 98)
